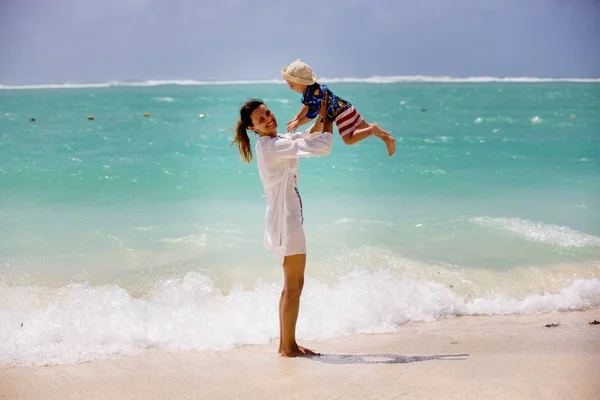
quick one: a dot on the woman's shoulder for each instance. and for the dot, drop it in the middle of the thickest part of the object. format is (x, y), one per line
(262, 141)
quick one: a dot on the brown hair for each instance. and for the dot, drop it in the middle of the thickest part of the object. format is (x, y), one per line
(241, 136)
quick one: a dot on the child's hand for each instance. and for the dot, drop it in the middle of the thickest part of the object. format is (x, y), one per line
(292, 125)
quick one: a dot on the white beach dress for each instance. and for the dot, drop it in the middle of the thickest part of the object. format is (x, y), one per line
(277, 159)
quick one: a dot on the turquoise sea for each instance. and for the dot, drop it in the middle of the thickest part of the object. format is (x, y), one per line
(128, 232)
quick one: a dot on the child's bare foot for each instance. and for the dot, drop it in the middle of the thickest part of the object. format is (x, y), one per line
(298, 351)
(389, 141)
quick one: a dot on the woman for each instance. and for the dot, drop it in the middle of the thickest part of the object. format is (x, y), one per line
(277, 157)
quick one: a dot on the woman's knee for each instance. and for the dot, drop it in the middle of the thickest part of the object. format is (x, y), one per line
(294, 274)
(293, 286)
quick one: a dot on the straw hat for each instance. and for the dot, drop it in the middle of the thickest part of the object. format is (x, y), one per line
(299, 72)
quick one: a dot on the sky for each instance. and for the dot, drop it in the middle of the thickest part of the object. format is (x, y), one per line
(56, 41)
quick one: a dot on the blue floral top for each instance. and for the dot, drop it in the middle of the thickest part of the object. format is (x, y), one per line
(314, 94)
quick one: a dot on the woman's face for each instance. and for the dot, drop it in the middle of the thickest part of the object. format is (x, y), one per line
(263, 121)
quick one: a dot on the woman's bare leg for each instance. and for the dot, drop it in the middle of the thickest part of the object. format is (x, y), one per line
(280, 323)
(293, 268)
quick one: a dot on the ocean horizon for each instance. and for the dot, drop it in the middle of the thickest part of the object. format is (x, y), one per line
(372, 79)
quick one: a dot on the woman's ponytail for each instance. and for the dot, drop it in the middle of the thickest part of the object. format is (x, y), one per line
(241, 134)
(243, 142)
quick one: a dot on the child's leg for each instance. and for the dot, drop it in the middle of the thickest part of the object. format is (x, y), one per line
(364, 130)
(356, 136)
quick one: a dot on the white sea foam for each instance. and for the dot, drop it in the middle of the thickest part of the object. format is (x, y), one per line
(537, 231)
(536, 120)
(435, 171)
(197, 239)
(149, 83)
(374, 79)
(164, 99)
(454, 79)
(80, 322)
(346, 220)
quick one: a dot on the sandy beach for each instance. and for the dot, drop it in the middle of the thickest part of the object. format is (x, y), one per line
(477, 357)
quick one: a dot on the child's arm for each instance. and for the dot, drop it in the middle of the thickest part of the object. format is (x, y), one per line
(322, 123)
(310, 109)
(299, 120)
(302, 112)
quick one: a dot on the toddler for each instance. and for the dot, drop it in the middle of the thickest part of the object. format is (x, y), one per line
(351, 125)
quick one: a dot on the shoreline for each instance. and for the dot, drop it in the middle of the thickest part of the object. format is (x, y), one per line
(468, 357)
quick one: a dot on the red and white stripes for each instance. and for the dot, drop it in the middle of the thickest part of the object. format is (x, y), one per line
(348, 121)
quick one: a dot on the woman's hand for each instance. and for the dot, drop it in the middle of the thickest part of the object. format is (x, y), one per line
(323, 108)
(322, 123)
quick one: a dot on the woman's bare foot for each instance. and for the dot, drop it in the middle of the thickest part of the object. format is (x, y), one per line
(298, 351)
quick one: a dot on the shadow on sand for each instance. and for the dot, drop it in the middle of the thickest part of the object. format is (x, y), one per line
(383, 358)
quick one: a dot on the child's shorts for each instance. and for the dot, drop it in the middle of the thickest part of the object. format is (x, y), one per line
(348, 121)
